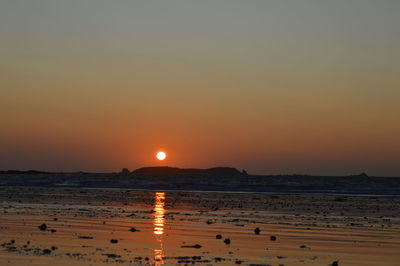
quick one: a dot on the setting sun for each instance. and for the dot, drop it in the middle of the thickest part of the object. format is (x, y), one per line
(161, 155)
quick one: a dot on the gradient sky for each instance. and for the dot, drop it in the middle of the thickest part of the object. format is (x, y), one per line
(308, 87)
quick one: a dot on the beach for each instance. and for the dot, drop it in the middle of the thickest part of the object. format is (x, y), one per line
(61, 226)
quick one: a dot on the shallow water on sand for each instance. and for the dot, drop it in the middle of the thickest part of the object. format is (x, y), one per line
(173, 228)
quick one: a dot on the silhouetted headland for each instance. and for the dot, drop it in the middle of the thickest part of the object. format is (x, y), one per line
(165, 170)
(212, 179)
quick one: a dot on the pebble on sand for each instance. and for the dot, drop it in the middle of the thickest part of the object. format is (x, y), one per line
(218, 236)
(227, 241)
(257, 231)
(272, 238)
(133, 229)
(114, 241)
(335, 263)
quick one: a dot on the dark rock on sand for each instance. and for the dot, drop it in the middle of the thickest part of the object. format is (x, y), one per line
(42, 227)
(257, 231)
(46, 251)
(227, 241)
(218, 236)
(193, 246)
(335, 263)
(112, 256)
(272, 238)
(114, 241)
(85, 237)
(133, 229)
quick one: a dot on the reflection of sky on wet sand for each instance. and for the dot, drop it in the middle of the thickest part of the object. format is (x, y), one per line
(159, 222)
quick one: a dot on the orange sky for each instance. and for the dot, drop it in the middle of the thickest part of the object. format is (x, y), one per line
(270, 87)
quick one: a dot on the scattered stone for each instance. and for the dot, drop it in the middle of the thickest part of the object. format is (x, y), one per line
(218, 236)
(42, 227)
(335, 263)
(133, 229)
(304, 246)
(272, 238)
(227, 241)
(53, 230)
(114, 241)
(55, 219)
(54, 248)
(193, 246)
(257, 231)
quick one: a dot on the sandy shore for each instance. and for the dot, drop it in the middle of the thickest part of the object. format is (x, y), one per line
(60, 226)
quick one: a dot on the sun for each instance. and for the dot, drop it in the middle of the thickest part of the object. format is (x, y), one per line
(161, 155)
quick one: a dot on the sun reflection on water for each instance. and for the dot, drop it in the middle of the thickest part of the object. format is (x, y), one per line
(159, 222)
(159, 213)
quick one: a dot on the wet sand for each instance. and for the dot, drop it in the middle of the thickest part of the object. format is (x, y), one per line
(100, 226)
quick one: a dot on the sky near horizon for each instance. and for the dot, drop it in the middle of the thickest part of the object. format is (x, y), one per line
(273, 87)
